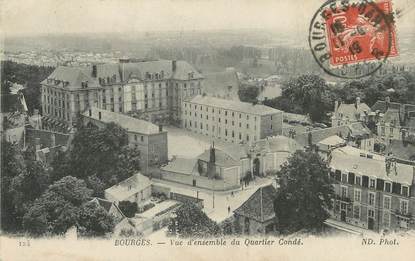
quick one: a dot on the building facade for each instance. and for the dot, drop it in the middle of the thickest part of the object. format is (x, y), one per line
(372, 191)
(396, 121)
(147, 137)
(345, 114)
(231, 121)
(151, 90)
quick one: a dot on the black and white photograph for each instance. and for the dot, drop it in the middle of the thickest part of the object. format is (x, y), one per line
(207, 130)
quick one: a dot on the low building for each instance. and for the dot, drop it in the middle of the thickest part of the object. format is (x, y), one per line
(231, 121)
(147, 137)
(372, 191)
(355, 134)
(345, 114)
(257, 215)
(136, 188)
(110, 207)
(214, 169)
(269, 154)
(396, 121)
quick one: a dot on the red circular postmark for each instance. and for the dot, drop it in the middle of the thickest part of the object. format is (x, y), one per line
(352, 40)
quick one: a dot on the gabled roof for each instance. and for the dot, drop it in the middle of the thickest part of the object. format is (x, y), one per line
(353, 110)
(401, 150)
(236, 106)
(222, 158)
(131, 124)
(74, 76)
(106, 205)
(129, 187)
(182, 166)
(260, 206)
(332, 141)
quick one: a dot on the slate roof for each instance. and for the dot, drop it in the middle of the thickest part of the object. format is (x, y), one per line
(237, 106)
(260, 205)
(278, 144)
(131, 124)
(352, 111)
(74, 76)
(399, 150)
(121, 71)
(182, 166)
(332, 141)
(122, 190)
(106, 204)
(355, 130)
(221, 158)
(398, 113)
(222, 85)
(348, 159)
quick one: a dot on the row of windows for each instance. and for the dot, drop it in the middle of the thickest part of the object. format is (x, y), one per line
(371, 200)
(201, 108)
(231, 133)
(372, 183)
(219, 120)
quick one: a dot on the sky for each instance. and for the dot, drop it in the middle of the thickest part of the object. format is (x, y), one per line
(32, 17)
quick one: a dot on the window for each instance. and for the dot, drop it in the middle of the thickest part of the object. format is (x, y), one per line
(371, 213)
(344, 178)
(386, 202)
(247, 126)
(358, 180)
(405, 191)
(344, 191)
(371, 198)
(226, 121)
(247, 137)
(135, 137)
(357, 195)
(142, 138)
(388, 187)
(356, 212)
(403, 206)
(386, 219)
(226, 113)
(372, 183)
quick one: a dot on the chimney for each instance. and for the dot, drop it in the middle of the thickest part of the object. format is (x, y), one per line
(212, 157)
(160, 128)
(173, 65)
(336, 105)
(53, 140)
(37, 144)
(94, 71)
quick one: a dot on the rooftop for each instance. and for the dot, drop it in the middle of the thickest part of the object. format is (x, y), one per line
(181, 165)
(351, 159)
(237, 106)
(131, 124)
(333, 141)
(129, 187)
(260, 205)
(222, 158)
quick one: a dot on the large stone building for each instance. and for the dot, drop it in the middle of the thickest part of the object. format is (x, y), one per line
(153, 90)
(396, 121)
(147, 137)
(231, 121)
(372, 191)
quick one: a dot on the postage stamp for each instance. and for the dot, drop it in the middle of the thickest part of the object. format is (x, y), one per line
(353, 39)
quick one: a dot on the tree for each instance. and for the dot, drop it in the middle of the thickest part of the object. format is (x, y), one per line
(128, 208)
(305, 193)
(248, 93)
(191, 221)
(94, 220)
(58, 208)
